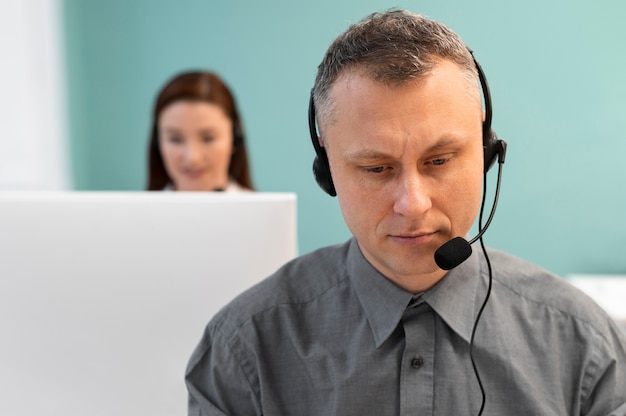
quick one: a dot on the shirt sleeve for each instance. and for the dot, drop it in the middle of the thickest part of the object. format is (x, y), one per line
(216, 383)
(621, 411)
(608, 392)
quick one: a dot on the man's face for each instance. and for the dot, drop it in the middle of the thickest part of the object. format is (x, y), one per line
(407, 163)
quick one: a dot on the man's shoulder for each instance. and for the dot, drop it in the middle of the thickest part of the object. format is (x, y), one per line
(528, 283)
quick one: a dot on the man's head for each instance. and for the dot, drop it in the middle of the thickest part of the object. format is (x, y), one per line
(392, 48)
(399, 110)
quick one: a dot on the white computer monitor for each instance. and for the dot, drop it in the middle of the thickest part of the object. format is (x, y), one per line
(103, 296)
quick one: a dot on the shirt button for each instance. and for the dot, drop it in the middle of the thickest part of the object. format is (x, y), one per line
(417, 362)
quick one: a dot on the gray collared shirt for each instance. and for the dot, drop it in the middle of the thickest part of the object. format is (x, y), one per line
(329, 335)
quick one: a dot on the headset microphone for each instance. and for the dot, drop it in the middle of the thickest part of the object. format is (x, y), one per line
(456, 251)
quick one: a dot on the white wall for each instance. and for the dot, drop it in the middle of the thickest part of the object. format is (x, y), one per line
(33, 138)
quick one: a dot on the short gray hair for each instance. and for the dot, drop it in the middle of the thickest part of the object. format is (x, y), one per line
(391, 47)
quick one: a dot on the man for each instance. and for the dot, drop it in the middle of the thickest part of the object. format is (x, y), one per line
(374, 326)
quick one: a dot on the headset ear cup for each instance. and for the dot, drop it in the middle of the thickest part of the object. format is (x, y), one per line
(490, 148)
(321, 171)
(321, 167)
(237, 136)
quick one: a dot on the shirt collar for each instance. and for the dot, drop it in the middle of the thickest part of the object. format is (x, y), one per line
(455, 297)
(384, 302)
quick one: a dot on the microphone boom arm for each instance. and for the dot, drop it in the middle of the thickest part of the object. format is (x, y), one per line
(501, 155)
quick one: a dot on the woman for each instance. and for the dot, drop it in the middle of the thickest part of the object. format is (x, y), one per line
(197, 141)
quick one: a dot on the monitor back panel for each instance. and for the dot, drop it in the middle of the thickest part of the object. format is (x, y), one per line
(103, 296)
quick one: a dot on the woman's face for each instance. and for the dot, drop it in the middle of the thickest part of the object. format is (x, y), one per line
(196, 143)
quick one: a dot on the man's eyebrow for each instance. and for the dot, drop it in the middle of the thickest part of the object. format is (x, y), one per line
(372, 154)
(442, 144)
(366, 154)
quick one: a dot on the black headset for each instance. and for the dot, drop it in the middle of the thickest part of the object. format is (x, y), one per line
(492, 146)
(237, 135)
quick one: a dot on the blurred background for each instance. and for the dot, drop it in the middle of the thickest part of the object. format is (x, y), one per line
(78, 79)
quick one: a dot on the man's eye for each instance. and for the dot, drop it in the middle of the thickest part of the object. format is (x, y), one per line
(438, 162)
(207, 139)
(376, 169)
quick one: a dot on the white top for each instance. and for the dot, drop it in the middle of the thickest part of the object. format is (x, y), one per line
(232, 186)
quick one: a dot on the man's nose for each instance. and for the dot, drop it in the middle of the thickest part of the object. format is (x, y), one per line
(412, 194)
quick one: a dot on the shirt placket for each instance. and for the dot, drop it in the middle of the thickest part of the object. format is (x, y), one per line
(417, 367)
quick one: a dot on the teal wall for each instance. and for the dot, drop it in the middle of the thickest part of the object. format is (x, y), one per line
(556, 71)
